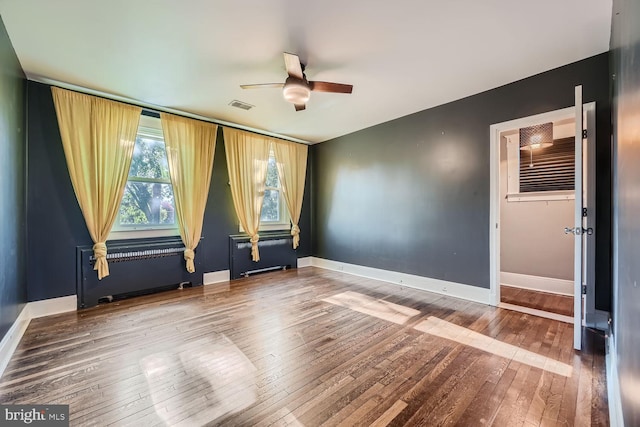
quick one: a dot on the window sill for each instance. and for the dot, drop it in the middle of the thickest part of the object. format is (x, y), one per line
(275, 227)
(143, 234)
(541, 196)
(281, 226)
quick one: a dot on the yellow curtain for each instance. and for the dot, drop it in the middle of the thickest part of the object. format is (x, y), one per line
(291, 159)
(247, 158)
(98, 136)
(191, 145)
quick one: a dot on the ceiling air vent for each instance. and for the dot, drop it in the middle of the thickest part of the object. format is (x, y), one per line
(241, 105)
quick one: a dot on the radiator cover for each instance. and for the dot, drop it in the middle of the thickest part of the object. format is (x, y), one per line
(276, 251)
(136, 266)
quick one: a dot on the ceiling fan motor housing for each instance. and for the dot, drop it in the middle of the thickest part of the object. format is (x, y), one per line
(296, 90)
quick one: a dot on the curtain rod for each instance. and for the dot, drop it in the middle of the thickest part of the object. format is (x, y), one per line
(156, 109)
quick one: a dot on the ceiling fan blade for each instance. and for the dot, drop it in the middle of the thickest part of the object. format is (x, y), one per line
(300, 107)
(330, 87)
(263, 86)
(292, 63)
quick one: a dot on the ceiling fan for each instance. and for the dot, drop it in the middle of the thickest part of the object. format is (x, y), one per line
(297, 89)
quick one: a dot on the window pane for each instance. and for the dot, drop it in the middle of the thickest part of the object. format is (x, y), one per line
(271, 206)
(272, 173)
(550, 168)
(147, 203)
(149, 159)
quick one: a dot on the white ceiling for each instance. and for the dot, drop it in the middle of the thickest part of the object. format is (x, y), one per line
(402, 56)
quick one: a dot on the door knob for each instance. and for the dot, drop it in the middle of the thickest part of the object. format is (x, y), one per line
(578, 231)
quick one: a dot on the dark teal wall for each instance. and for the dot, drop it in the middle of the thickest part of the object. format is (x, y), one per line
(412, 194)
(56, 224)
(625, 39)
(13, 231)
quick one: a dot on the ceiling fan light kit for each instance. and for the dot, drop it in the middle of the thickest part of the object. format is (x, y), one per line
(296, 89)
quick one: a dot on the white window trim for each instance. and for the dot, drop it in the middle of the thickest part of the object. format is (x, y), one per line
(273, 226)
(151, 127)
(285, 218)
(144, 234)
(285, 224)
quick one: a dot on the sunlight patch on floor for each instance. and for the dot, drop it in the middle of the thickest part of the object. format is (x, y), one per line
(286, 419)
(219, 372)
(373, 307)
(443, 329)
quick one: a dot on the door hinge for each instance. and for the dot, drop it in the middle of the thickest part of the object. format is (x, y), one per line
(584, 289)
(584, 133)
(584, 212)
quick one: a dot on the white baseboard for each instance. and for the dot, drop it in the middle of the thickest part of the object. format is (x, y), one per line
(30, 311)
(537, 283)
(12, 338)
(216, 277)
(458, 290)
(305, 262)
(613, 384)
(49, 307)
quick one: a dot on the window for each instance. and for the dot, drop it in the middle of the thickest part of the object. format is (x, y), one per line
(274, 215)
(147, 202)
(548, 169)
(552, 175)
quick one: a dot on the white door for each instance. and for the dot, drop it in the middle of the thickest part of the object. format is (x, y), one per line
(591, 317)
(577, 225)
(584, 244)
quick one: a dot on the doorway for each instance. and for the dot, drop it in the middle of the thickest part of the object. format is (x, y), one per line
(532, 259)
(537, 199)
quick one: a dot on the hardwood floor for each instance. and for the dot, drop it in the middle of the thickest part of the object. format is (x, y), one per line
(545, 301)
(308, 347)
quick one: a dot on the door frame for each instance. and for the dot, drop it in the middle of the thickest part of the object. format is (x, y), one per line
(588, 190)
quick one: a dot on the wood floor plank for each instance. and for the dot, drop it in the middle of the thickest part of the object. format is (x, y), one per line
(367, 395)
(274, 350)
(390, 414)
(545, 301)
(483, 407)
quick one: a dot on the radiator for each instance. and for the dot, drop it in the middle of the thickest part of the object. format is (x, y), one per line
(136, 267)
(276, 252)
